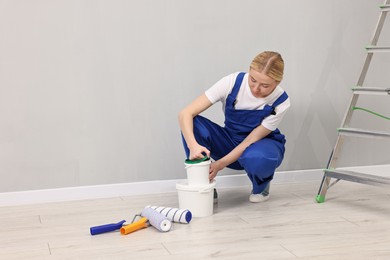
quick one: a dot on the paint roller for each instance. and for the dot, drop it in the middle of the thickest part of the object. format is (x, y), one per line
(149, 217)
(174, 214)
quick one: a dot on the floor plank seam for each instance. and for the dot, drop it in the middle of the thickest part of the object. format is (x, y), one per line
(48, 247)
(166, 249)
(301, 198)
(243, 220)
(288, 250)
(216, 254)
(349, 221)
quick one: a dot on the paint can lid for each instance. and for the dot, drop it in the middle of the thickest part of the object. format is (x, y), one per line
(195, 161)
(184, 186)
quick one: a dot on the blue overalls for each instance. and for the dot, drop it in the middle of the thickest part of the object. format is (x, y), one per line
(261, 158)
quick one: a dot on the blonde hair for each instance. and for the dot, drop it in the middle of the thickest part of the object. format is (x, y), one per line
(270, 63)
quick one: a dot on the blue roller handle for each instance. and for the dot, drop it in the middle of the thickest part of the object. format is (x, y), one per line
(106, 228)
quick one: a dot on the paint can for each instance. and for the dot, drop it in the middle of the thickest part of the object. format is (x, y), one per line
(198, 199)
(198, 171)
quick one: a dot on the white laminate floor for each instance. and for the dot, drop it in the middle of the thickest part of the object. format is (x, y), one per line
(353, 223)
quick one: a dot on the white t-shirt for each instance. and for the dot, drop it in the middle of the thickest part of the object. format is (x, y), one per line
(245, 100)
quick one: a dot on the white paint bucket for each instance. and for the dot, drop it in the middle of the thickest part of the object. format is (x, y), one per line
(197, 199)
(198, 173)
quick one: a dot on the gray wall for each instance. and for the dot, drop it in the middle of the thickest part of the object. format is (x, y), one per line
(90, 90)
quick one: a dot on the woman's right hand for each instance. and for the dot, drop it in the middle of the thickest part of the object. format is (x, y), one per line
(198, 152)
(186, 117)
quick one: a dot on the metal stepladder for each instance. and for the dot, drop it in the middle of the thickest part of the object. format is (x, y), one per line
(344, 131)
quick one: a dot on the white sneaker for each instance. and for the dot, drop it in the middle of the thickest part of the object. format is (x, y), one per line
(255, 198)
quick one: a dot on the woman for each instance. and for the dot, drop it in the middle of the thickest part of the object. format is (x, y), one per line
(254, 104)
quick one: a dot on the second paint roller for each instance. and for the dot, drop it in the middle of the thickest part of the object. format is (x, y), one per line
(174, 214)
(148, 217)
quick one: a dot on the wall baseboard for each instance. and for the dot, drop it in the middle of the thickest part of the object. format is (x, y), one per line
(150, 187)
(138, 188)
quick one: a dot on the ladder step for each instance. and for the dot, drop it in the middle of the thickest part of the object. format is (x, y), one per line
(385, 8)
(357, 177)
(372, 49)
(372, 91)
(362, 133)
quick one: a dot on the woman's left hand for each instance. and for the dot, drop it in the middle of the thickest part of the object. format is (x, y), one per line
(215, 167)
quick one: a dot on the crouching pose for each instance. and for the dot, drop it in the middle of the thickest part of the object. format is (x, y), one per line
(254, 104)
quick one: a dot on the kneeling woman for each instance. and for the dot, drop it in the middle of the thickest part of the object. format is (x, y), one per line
(254, 104)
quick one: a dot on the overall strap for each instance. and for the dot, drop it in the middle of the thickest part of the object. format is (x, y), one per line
(237, 84)
(280, 99)
(277, 102)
